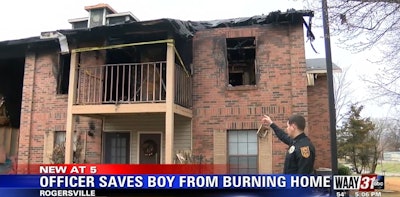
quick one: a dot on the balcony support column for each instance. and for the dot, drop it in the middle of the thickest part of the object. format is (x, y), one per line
(70, 117)
(170, 97)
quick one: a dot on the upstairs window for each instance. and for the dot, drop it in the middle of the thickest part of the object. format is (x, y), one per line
(241, 54)
(63, 74)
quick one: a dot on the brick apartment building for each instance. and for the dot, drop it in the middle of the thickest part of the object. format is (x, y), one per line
(114, 89)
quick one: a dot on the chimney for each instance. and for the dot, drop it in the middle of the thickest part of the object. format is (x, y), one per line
(98, 13)
(102, 14)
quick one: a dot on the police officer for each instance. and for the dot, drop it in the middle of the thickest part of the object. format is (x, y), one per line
(301, 153)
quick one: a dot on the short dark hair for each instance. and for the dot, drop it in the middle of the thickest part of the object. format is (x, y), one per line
(298, 120)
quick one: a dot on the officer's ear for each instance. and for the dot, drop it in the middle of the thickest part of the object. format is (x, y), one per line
(294, 126)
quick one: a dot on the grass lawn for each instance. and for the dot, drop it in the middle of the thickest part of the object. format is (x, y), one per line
(388, 167)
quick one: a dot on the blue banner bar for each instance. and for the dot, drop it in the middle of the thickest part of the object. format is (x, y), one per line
(161, 182)
(169, 192)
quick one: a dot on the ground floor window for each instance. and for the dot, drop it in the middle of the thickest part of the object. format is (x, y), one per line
(59, 138)
(243, 151)
(116, 149)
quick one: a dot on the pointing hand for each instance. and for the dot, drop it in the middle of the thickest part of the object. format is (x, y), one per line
(266, 120)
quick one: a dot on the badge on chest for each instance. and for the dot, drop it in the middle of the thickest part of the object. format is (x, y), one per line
(291, 149)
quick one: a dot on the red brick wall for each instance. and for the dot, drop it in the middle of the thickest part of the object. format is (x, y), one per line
(44, 111)
(318, 113)
(280, 91)
(93, 143)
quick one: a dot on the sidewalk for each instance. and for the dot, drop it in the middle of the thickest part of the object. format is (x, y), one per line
(392, 183)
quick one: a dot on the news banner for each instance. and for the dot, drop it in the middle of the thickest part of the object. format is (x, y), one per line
(178, 180)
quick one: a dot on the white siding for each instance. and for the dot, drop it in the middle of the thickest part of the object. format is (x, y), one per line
(183, 133)
(154, 122)
(134, 147)
(135, 122)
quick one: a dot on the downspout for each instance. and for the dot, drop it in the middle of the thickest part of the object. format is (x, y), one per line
(62, 39)
(31, 114)
(84, 148)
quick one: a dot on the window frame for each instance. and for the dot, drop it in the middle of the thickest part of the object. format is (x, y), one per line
(56, 142)
(248, 155)
(107, 154)
(252, 76)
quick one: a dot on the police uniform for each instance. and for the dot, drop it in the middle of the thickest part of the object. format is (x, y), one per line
(300, 155)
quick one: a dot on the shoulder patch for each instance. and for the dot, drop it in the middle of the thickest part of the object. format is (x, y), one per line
(305, 151)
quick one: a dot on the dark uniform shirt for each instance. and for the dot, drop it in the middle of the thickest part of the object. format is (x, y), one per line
(300, 155)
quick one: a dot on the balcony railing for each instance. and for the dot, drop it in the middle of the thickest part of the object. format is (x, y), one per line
(183, 87)
(130, 83)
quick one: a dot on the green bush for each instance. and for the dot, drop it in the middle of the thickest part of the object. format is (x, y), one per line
(344, 170)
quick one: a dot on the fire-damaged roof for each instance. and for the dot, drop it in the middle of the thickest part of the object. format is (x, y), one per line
(188, 28)
(156, 29)
(17, 48)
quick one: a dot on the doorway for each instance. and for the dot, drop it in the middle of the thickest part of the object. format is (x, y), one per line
(149, 148)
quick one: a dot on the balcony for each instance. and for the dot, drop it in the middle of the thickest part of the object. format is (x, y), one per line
(132, 83)
(122, 90)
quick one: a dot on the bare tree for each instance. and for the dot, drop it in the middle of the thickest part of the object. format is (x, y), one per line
(371, 22)
(342, 93)
(379, 133)
(392, 135)
(362, 25)
(393, 139)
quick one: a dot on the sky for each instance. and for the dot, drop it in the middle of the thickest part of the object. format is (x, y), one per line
(22, 19)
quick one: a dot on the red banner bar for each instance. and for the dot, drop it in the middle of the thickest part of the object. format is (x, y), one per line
(122, 169)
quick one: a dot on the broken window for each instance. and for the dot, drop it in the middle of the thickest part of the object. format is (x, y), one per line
(63, 75)
(241, 54)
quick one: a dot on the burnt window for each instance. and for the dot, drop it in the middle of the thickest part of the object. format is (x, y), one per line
(63, 74)
(241, 54)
